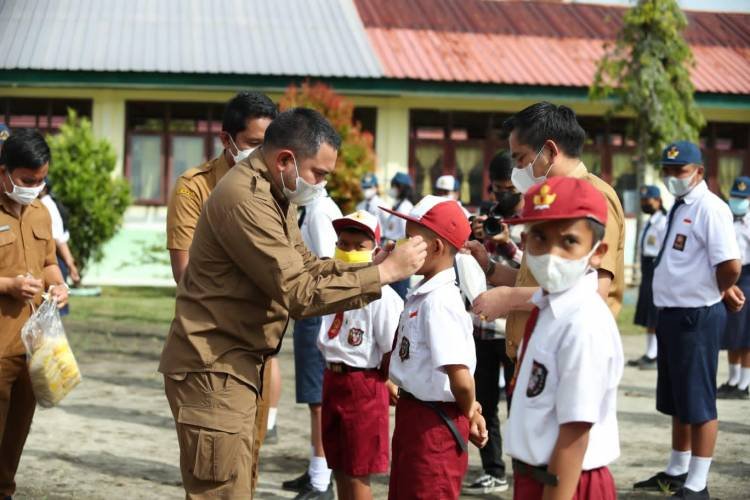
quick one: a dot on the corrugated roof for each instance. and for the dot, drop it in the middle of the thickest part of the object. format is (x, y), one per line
(534, 43)
(284, 37)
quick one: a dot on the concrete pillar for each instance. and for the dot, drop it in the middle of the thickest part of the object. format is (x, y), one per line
(108, 122)
(392, 142)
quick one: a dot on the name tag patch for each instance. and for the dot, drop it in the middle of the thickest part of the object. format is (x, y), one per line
(4, 228)
(537, 380)
(679, 242)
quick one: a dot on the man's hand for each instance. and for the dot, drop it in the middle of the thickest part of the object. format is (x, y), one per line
(478, 434)
(392, 392)
(478, 251)
(404, 261)
(477, 227)
(25, 288)
(734, 299)
(60, 294)
(493, 304)
(504, 237)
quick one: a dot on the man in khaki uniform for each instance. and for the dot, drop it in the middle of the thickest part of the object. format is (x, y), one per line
(248, 272)
(27, 267)
(246, 117)
(546, 141)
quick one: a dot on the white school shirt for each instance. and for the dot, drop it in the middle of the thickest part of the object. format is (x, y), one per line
(701, 237)
(365, 334)
(317, 227)
(434, 331)
(569, 373)
(373, 206)
(395, 227)
(652, 239)
(742, 231)
(59, 234)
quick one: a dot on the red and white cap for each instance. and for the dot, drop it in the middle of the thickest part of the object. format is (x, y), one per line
(444, 217)
(446, 183)
(562, 198)
(362, 220)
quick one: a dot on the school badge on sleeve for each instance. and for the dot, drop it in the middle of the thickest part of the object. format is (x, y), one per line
(403, 351)
(355, 337)
(537, 380)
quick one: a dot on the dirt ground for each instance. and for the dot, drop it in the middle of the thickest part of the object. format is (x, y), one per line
(114, 436)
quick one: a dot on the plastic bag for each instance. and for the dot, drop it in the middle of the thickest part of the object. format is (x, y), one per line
(52, 367)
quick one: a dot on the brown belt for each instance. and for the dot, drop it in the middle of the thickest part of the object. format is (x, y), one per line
(344, 368)
(536, 472)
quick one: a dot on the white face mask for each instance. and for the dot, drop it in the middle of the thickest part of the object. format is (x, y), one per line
(23, 195)
(241, 153)
(556, 274)
(394, 193)
(679, 187)
(523, 178)
(369, 193)
(305, 193)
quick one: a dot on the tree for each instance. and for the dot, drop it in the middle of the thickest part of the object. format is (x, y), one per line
(647, 71)
(81, 173)
(356, 156)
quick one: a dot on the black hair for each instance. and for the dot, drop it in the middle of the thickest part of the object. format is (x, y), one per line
(355, 230)
(25, 149)
(597, 228)
(405, 191)
(546, 121)
(501, 167)
(243, 106)
(303, 131)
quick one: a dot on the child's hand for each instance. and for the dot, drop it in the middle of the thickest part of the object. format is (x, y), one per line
(478, 434)
(734, 299)
(392, 392)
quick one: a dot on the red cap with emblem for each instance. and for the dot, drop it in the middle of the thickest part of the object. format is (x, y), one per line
(364, 221)
(442, 216)
(562, 198)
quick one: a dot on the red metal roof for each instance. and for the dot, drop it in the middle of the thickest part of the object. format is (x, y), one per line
(534, 43)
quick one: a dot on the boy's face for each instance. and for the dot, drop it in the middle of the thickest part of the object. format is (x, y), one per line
(354, 241)
(570, 239)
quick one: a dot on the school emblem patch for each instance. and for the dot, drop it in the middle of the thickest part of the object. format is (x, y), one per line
(537, 380)
(545, 198)
(355, 337)
(403, 351)
(673, 153)
(679, 242)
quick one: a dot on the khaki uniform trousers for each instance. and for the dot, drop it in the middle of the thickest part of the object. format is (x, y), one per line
(215, 415)
(17, 405)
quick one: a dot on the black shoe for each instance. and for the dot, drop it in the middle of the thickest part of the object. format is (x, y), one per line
(661, 482)
(724, 388)
(637, 362)
(310, 493)
(272, 436)
(486, 484)
(735, 392)
(646, 363)
(687, 493)
(298, 483)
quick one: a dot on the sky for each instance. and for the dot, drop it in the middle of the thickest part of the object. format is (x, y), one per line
(710, 5)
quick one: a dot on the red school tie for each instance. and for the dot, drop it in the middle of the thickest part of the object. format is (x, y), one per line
(335, 328)
(530, 324)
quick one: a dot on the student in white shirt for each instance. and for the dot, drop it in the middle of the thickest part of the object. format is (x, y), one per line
(355, 396)
(562, 428)
(394, 227)
(697, 266)
(736, 338)
(316, 225)
(432, 364)
(650, 242)
(449, 187)
(372, 200)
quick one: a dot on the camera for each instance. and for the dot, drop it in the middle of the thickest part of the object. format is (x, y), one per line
(494, 224)
(503, 209)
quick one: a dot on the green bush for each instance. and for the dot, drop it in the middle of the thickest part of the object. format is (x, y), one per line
(81, 173)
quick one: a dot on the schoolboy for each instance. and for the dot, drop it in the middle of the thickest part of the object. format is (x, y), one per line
(562, 428)
(432, 364)
(355, 396)
(696, 267)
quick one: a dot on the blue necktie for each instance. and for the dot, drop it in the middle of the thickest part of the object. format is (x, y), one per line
(677, 203)
(643, 236)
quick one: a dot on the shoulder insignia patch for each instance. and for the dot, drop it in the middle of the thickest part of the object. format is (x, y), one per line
(537, 380)
(183, 191)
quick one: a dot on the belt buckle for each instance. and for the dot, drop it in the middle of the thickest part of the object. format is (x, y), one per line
(336, 367)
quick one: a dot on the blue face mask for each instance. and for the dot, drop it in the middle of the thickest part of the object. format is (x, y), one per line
(739, 206)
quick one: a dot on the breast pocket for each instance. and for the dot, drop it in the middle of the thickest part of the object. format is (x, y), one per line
(681, 238)
(7, 247)
(42, 236)
(411, 344)
(542, 382)
(357, 335)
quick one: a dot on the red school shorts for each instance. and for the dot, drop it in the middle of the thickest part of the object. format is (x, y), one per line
(427, 462)
(355, 422)
(595, 484)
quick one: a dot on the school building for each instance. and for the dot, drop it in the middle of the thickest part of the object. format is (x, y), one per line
(431, 79)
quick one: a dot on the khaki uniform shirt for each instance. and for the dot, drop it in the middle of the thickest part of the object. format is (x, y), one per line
(613, 261)
(187, 199)
(248, 272)
(26, 246)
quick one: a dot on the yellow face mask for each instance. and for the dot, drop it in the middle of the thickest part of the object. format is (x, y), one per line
(353, 256)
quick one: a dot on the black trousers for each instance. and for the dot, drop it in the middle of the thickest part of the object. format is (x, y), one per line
(490, 355)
